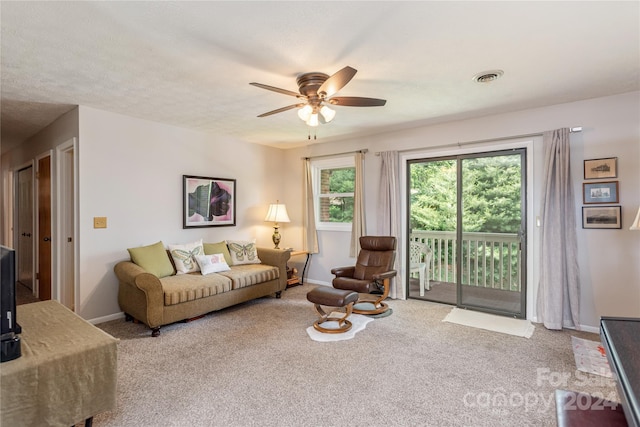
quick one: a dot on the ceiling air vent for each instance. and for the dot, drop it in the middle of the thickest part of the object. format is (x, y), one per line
(488, 76)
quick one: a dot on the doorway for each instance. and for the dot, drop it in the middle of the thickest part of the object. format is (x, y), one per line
(469, 214)
(24, 226)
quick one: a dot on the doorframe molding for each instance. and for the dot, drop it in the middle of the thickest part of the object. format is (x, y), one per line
(60, 150)
(8, 193)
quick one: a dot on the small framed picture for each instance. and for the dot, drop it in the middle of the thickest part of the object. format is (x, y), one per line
(601, 168)
(601, 217)
(208, 202)
(600, 192)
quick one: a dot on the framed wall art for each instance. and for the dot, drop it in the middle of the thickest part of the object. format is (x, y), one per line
(601, 217)
(208, 202)
(601, 168)
(600, 192)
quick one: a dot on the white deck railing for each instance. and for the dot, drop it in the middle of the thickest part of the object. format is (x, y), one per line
(489, 260)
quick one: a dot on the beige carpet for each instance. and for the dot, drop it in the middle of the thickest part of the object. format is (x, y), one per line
(254, 365)
(491, 322)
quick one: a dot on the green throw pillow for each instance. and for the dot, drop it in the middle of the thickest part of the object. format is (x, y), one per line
(218, 248)
(153, 259)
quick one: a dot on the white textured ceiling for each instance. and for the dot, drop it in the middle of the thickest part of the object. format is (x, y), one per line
(190, 63)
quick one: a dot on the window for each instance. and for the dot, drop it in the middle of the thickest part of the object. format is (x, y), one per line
(333, 186)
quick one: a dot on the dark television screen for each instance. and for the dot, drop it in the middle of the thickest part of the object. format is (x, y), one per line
(8, 284)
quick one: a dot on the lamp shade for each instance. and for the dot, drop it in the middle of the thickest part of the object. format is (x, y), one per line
(313, 120)
(327, 113)
(305, 112)
(277, 213)
(636, 222)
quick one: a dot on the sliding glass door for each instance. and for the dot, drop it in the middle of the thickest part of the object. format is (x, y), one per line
(467, 222)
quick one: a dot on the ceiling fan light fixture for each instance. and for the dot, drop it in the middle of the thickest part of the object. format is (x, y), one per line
(316, 92)
(305, 112)
(327, 113)
(313, 120)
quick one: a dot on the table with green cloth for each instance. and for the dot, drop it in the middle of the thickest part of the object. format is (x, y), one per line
(67, 372)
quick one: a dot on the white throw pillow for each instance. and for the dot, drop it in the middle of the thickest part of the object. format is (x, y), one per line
(243, 252)
(184, 256)
(212, 263)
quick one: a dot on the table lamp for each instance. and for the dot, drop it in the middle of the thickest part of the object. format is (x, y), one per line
(277, 213)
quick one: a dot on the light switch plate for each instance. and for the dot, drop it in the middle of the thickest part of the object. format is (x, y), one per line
(99, 222)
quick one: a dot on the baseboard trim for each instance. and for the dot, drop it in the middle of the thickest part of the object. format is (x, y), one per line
(316, 282)
(108, 318)
(583, 328)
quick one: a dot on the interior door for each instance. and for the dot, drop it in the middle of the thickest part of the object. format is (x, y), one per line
(44, 228)
(24, 225)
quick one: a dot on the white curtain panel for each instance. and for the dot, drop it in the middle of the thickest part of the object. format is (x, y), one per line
(558, 292)
(389, 213)
(358, 226)
(310, 234)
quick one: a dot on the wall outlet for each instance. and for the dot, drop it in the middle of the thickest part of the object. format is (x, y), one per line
(99, 222)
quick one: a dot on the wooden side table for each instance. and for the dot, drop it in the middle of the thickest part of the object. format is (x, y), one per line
(298, 280)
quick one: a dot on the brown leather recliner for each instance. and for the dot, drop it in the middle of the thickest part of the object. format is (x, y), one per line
(371, 274)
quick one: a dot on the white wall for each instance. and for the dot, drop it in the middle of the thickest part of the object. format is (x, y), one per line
(609, 259)
(131, 172)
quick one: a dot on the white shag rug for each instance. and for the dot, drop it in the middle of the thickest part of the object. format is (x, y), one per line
(358, 321)
(491, 322)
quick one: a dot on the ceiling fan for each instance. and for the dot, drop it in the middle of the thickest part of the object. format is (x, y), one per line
(316, 93)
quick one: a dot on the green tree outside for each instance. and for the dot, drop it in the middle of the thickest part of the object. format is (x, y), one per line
(340, 181)
(491, 204)
(491, 195)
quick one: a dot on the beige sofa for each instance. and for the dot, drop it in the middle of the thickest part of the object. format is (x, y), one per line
(157, 301)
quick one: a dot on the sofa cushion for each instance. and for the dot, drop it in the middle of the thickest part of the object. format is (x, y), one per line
(243, 252)
(153, 259)
(218, 248)
(250, 274)
(212, 263)
(189, 287)
(184, 256)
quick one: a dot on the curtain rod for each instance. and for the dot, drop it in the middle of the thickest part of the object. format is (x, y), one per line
(574, 129)
(480, 141)
(363, 151)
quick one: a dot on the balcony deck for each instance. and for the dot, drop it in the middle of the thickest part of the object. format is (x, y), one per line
(445, 292)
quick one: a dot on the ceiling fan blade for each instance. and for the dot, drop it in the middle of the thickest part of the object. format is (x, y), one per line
(337, 81)
(277, 89)
(356, 101)
(280, 110)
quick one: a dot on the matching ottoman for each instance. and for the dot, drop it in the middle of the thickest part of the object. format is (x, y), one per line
(332, 297)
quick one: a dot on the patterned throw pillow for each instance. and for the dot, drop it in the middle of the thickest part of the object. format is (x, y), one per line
(243, 252)
(184, 256)
(212, 263)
